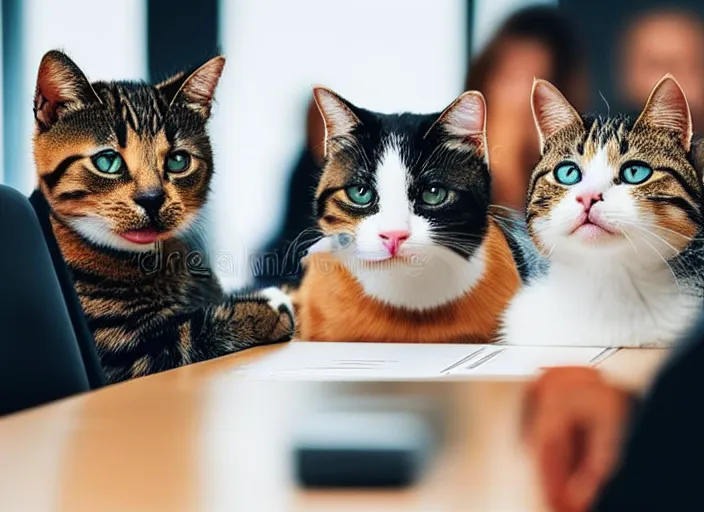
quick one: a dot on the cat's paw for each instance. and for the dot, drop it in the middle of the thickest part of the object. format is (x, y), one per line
(282, 305)
(277, 300)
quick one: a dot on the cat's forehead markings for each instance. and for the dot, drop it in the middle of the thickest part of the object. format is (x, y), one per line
(392, 179)
(591, 143)
(615, 149)
(142, 156)
(598, 172)
(608, 136)
(128, 110)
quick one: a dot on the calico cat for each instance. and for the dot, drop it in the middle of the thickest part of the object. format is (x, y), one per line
(616, 206)
(125, 168)
(429, 263)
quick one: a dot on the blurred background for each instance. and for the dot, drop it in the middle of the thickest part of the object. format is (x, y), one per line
(389, 55)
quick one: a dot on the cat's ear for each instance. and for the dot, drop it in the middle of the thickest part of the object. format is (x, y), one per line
(61, 87)
(551, 110)
(196, 89)
(170, 86)
(465, 118)
(667, 109)
(337, 112)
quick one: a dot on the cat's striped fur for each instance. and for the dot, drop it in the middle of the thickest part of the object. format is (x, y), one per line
(149, 299)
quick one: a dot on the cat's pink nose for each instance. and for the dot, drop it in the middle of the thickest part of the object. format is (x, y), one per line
(392, 240)
(588, 199)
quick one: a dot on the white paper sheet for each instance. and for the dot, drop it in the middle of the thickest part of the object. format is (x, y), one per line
(379, 361)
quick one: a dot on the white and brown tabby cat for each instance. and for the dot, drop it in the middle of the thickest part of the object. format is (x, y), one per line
(429, 263)
(616, 207)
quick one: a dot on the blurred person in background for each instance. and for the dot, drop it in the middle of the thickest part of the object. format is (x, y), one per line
(665, 40)
(537, 42)
(298, 223)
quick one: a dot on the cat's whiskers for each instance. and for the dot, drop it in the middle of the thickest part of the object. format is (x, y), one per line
(459, 240)
(674, 276)
(676, 265)
(552, 249)
(687, 269)
(455, 234)
(462, 247)
(669, 264)
(645, 230)
(650, 224)
(623, 232)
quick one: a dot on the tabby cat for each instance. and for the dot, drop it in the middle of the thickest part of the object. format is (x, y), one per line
(125, 168)
(616, 207)
(428, 262)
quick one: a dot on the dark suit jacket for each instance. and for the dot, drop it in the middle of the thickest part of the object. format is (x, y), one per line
(662, 467)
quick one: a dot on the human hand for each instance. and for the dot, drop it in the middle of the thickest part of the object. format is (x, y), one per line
(574, 421)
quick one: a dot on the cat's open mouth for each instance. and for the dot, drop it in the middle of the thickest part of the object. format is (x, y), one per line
(143, 236)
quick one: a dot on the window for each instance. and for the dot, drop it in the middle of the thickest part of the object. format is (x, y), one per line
(389, 56)
(106, 40)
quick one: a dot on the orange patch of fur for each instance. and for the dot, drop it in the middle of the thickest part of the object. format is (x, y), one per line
(677, 229)
(332, 306)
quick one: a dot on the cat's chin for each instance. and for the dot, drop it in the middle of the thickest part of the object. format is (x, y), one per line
(422, 280)
(593, 233)
(385, 261)
(591, 242)
(603, 251)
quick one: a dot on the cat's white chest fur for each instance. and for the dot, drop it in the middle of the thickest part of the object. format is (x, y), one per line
(619, 307)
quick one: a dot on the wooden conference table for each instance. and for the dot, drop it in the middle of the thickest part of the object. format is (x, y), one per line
(201, 438)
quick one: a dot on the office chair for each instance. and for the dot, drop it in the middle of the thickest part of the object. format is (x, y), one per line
(46, 349)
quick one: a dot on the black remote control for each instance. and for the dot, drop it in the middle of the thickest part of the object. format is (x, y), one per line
(364, 444)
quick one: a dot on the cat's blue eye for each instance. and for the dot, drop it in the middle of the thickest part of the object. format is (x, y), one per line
(361, 195)
(108, 162)
(177, 162)
(434, 195)
(567, 173)
(635, 173)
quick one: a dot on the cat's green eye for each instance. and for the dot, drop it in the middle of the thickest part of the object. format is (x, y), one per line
(635, 173)
(567, 173)
(177, 162)
(108, 162)
(434, 195)
(361, 195)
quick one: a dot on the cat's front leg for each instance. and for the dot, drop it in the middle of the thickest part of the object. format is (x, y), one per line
(181, 337)
(259, 318)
